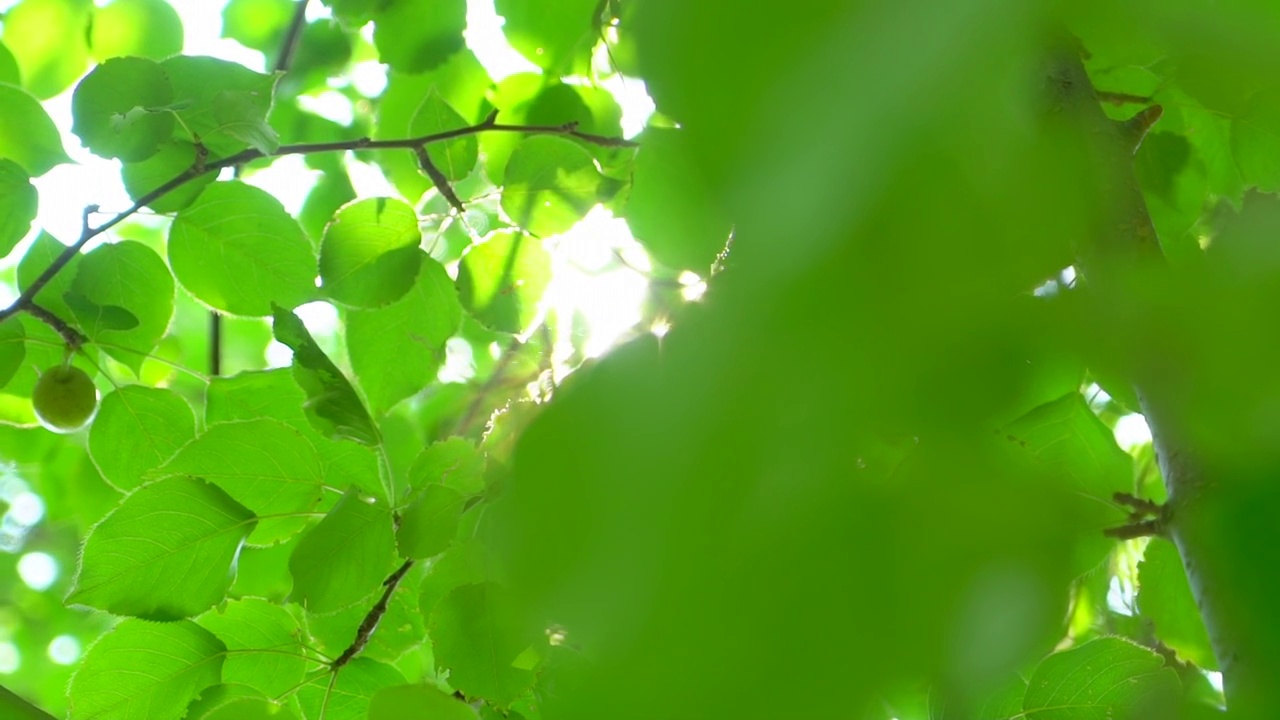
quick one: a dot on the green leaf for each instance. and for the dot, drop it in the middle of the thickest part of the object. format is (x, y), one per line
(1066, 438)
(454, 463)
(552, 37)
(348, 699)
(164, 553)
(1255, 141)
(237, 707)
(141, 669)
(1104, 678)
(501, 280)
(477, 637)
(369, 256)
(257, 24)
(274, 394)
(137, 430)
(530, 99)
(672, 209)
(39, 256)
(95, 318)
(28, 136)
(9, 67)
(131, 276)
(13, 348)
(332, 405)
(1176, 188)
(344, 558)
(237, 250)
(116, 109)
(265, 645)
(455, 158)
(172, 159)
(203, 84)
(18, 205)
(354, 13)
(264, 464)
(430, 522)
(550, 184)
(396, 351)
(142, 28)
(402, 701)
(1164, 597)
(47, 38)
(242, 115)
(461, 82)
(414, 36)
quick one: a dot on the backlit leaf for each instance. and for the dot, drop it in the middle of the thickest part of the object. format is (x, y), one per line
(369, 256)
(138, 429)
(47, 37)
(345, 557)
(501, 280)
(165, 553)
(332, 405)
(1103, 679)
(265, 465)
(131, 276)
(265, 644)
(349, 696)
(28, 136)
(550, 184)
(118, 109)
(417, 35)
(142, 28)
(395, 351)
(18, 205)
(142, 669)
(237, 250)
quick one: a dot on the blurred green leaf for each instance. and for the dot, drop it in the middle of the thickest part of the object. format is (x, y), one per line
(28, 136)
(502, 278)
(18, 205)
(143, 28)
(48, 39)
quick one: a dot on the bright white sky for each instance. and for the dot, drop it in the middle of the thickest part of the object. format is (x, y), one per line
(610, 299)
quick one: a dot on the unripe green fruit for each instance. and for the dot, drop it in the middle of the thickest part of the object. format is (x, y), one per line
(65, 399)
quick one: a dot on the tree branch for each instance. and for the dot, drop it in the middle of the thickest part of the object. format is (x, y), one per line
(371, 619)
(1208, 510)
(290, 44)
(73, 337)
(202, 168)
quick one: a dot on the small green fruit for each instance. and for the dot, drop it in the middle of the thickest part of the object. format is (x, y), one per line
(65, 399)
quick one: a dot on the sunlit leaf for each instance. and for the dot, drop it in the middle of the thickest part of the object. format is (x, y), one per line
(143, 28)
(264, 641)
(118, 109)
(265, 465)
(47, 37)
(345, 557)
(18, 204)
(1104, 678)
(138, 429)
(332, 405)
(236, 249)
(395, 351)
(501, 280)
(27, 135)
(550, 184)
(165, 553)
(369, 256)
(143, 669)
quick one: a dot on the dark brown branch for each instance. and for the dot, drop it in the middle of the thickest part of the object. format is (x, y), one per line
(290, 44)
(439, 180)
(202, 167)
(74, 338)
(371, 619)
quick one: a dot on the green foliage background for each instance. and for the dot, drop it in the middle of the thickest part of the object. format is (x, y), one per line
(866, 476)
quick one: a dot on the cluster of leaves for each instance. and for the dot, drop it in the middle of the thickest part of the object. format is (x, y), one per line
(864, 463)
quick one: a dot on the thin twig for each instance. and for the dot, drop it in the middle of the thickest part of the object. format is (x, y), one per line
(290, 45)
(364, 143)
(74, 338)
(370, 622)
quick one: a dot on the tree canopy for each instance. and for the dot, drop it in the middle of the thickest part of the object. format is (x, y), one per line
(952, 391)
